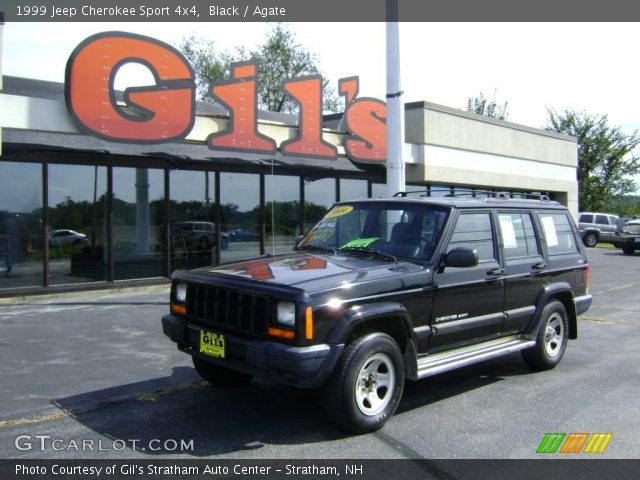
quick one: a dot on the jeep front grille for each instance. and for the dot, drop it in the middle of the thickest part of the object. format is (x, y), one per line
(221, 307)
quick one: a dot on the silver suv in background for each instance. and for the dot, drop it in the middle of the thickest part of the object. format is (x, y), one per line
(597, 227)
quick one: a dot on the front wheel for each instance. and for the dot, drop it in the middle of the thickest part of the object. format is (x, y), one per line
(551, 341)
(628, 249)
(219, 376)
(365, 389)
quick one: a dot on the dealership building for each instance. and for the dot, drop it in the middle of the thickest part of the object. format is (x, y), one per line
(78, 211)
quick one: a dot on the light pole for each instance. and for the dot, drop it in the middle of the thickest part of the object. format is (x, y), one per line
(395, 107)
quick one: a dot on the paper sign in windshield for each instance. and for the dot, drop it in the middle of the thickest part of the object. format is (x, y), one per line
(339, 211)
(360, 242)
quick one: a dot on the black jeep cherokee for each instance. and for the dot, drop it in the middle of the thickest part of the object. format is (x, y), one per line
(387, 290)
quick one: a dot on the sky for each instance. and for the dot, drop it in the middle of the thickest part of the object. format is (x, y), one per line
(593, 67)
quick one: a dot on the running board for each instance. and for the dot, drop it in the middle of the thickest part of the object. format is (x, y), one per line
(461, 357)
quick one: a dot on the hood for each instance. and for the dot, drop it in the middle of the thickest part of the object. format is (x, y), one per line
(315, 272)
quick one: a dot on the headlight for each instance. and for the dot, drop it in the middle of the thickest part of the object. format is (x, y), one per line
(180, 293)
(286, 314)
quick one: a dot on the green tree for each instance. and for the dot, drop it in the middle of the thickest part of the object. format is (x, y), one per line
(607, 160)
(486, 107)
(280, 57)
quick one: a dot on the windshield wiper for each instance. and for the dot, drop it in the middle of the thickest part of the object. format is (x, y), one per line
(313, 246)
(368, 251)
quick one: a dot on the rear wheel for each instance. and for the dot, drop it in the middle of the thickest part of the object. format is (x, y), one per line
(220, 376)
(551, 341)
(590, 239)
(365, 389)
(628, 249)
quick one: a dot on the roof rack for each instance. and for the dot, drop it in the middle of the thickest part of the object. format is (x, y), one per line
(487, 193)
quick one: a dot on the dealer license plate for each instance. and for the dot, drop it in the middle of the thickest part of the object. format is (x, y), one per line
(212, 344)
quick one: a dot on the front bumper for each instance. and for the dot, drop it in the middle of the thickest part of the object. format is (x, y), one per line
(302, 367)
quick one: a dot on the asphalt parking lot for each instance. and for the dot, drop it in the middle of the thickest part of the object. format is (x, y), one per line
(95, 367)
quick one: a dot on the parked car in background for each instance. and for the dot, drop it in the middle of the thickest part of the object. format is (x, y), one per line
(597, 227)
(6, 261)
(198, 233)
(630, 237)
(65, 238)
(243, 235)
(619, 224)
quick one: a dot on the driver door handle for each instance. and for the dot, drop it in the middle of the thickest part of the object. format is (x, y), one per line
(539, 266)
(495, 272)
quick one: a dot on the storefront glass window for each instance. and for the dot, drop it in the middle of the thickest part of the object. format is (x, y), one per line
(319, 195)
(240, 212)
(138, 238)
(21, 239)
(281, 213)
(193, 234)
(353, 189)
(77, 216)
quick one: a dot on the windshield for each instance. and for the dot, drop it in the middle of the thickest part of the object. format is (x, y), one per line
(402, 230)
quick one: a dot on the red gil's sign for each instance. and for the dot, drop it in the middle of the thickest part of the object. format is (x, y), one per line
(166, 110)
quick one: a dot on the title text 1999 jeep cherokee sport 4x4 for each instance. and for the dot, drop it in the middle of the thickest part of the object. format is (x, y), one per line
(387, 290)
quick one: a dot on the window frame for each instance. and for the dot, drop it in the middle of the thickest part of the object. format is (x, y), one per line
(536, 234)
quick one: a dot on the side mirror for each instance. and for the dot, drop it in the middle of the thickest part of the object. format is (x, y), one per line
(461, 257)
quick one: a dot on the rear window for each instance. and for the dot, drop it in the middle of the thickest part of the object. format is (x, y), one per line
(558, 233)
(586, 218)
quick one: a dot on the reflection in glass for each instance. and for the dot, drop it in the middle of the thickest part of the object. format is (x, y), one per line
(21, 239)
(319, 196)
(137, 223)
(77, 206)
(281, 213)
(353, 189)
(192, 211)
(240, 215)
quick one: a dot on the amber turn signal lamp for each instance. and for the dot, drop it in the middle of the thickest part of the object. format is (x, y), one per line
(280, 333)
(178, 309)
(308, 330)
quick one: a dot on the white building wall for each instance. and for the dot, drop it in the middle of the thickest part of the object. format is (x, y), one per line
(456, 147)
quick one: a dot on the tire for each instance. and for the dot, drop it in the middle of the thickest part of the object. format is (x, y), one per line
(220, 376)
(366, 386)
(628, 249)
(551, 341)
(590, 239)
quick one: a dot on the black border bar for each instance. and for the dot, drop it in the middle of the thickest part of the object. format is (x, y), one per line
(319, 11)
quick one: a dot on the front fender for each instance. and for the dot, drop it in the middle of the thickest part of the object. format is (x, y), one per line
(387, 317)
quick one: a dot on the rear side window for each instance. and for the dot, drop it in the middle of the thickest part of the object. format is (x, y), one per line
(518, 235)
(473, 230)
(586, 218)
(602, 219)
(558, 233)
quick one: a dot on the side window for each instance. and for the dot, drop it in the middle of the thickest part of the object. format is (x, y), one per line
(473, 230)
(586, 218)
(602, 219)
(558, 233)
(518, 235)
